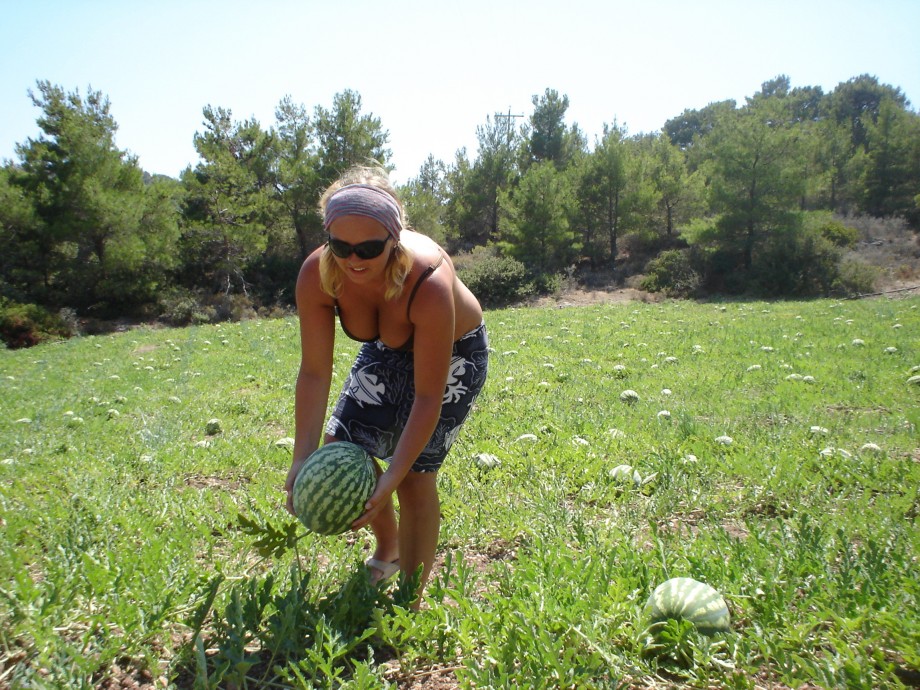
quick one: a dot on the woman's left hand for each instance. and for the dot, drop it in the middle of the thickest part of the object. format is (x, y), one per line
(386, 485)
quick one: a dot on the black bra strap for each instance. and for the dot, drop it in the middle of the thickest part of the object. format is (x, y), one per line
(421, 279)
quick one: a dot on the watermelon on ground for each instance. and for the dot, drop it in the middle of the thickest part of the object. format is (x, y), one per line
(625, 474)
(689, 599)
(333, 486)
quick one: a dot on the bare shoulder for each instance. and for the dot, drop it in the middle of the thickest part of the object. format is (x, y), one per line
(309, 284)
(433, 294)
(443, 295)
(426, 251)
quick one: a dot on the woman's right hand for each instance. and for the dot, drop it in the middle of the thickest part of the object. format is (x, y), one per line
(289, 484)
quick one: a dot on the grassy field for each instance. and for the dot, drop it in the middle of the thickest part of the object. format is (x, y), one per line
(779, 441)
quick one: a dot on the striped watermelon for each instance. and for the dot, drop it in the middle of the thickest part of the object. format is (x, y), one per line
(332, 487)
(684, 597)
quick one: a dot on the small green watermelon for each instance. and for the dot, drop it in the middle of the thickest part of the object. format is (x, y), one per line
(689, 599)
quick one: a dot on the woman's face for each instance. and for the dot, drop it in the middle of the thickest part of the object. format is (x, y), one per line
(355, 230)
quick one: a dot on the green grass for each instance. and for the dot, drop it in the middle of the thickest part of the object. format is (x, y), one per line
(129, 534)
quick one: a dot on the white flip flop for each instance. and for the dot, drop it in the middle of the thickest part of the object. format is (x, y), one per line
(386, 569)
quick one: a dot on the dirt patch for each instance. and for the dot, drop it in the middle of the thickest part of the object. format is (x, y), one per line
(580, 297)
(433, 678)
(200, 481)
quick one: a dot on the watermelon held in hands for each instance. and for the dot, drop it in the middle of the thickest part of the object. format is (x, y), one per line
(333, 486)
(689, 599)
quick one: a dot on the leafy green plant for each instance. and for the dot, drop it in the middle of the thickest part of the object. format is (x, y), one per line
(26, 325)
(672, 272)
(270, 630)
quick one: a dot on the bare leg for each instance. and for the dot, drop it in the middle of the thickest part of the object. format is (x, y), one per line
(384, 527)
(419, 524)
(386, 532)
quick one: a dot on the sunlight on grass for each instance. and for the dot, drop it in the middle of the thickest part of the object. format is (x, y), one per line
(772, 451)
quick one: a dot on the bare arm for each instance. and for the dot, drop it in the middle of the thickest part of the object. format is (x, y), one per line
(433, 319)
(314, 378)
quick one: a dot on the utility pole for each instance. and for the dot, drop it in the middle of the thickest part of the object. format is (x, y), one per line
(509, 121)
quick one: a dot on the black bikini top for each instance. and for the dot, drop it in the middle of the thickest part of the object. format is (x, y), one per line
(406, 346)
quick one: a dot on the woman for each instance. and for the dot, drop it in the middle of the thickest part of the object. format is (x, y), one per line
(415, 379)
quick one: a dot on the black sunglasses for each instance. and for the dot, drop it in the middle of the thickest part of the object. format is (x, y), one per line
(369, 249)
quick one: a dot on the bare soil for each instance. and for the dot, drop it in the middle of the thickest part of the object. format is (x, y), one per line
(578, 297)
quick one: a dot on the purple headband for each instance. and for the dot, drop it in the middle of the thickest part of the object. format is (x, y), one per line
(364, 200)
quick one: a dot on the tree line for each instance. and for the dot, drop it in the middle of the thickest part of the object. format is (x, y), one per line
(728, 198)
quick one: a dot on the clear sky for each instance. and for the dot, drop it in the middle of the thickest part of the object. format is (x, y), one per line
(432, 70)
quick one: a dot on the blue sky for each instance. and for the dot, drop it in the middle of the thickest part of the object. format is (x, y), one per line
(432, 71)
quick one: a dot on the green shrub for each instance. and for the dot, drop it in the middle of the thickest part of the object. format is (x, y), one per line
(801, 264)
(25, 325)
(840, 234)
(724, 272)
(495, 280)
(184, 307)
(831, 229)
(672, 273)
(856, 277)
(548, 283)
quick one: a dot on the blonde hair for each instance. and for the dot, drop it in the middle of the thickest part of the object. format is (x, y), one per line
(399, 263)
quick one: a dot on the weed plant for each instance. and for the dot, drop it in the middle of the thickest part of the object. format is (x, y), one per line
(141, 544)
